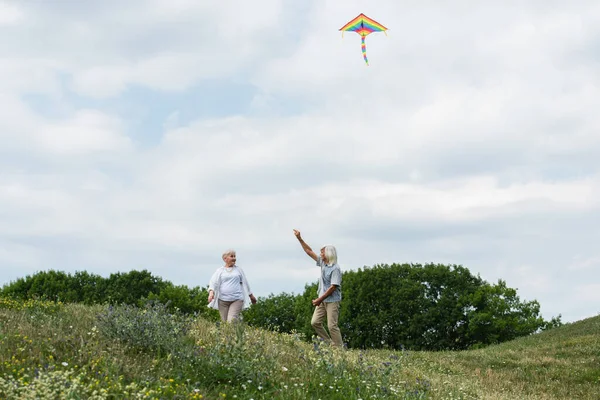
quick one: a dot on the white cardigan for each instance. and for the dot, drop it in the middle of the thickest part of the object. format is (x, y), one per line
(215, 285)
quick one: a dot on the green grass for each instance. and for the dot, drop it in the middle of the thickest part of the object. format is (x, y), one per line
(50, 350)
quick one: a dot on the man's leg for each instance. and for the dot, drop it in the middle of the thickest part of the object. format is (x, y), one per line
(333, 313)
(234, 310)
(317, 322)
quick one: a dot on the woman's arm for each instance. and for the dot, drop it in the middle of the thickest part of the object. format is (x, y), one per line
(212, 285)
(305, 247)
(325, 295)
(247, 285)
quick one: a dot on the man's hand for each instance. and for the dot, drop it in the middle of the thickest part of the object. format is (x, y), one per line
(316, 302)
(297, 233)
(211, 295)
(253, 299)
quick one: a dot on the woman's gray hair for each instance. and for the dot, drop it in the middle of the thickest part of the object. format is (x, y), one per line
(227, 252)
(330, 253)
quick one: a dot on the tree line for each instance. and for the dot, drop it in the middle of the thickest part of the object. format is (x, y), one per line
(397, 306)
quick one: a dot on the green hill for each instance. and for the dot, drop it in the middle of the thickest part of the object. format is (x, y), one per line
(562, 363)
(51, 350)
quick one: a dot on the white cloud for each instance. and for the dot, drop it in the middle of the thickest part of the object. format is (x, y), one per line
(104, 81)
(580, 263)
(20, 256)
(588, 293)
(169, 46)
(86, 131)
(10, 14)
(30, 75)
(83, 133)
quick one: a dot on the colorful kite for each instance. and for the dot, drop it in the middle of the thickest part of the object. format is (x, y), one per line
(364, 26)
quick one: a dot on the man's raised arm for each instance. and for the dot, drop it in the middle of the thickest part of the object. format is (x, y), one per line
(306, 247)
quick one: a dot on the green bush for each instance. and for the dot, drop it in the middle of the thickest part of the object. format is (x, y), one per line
(150, 328)
(189, 301)
(276, 313)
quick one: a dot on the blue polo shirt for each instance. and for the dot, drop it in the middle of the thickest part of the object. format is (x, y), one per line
(330, 275)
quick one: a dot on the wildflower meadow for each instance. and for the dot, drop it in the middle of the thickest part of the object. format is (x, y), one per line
(52, 350)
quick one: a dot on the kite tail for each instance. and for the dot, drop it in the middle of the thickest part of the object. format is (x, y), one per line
(364, 49)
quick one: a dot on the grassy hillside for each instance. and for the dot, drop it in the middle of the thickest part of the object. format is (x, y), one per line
(563, 363)
(52, 350)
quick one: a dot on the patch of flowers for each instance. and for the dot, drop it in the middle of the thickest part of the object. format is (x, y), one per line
(32, 306)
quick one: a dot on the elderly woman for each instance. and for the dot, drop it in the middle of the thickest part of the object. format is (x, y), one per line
(228, 290)
(329, 292)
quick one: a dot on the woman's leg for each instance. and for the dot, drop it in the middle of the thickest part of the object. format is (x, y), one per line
(235, 310)
(317, 322)
(333, 313)
(224, 309)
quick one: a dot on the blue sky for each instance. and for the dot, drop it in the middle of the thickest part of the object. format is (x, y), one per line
(157, 139)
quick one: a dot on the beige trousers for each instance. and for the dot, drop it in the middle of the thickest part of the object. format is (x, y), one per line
(230, 310)
(332, 311)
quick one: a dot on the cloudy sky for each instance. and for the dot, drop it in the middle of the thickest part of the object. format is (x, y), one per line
(155, 134)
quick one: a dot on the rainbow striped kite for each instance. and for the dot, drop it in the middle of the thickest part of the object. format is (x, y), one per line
(364, 26)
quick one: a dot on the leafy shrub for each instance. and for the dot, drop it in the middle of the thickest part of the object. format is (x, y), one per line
(276, 313)
(189, 301)
(83, 287)
(149, 328)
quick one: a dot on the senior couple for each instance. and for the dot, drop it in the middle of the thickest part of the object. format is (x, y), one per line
(229, 291)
